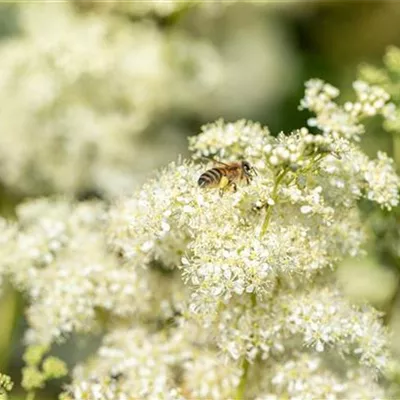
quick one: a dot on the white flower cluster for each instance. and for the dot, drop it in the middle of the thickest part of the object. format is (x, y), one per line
(341, 164)
(374, 179)
(137, 362)
(7, 235)
(215, 294)
(80, 103)
(387, 78)
(267, 56)
(247, 140)
(385, 225)
(257, 260)
(381, 183)
(308, 374)
(344, 121)
(325, 319)
(206, 377)
(160, 8)
(59, 258)
(230, 141)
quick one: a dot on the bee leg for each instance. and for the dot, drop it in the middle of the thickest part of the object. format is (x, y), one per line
(229, 186)
(223, 185)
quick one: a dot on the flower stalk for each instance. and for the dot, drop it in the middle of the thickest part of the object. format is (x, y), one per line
(274, 197)
(243, 380)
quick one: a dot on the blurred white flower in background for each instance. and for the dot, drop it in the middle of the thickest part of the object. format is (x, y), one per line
(90, 100)
(76, 101)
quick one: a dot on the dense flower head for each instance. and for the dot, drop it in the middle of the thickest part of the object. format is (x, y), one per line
(216, 292)
(385, 225)
(344, 120)
(6, 385)
(207, 377)
(59, 258)
(182, 213)
(7, 236)
(308, 376)
(134, 361)
(230, 141)
(387, 77)
(52, 246)
(321, 320)
(326, 319)
(258, 260)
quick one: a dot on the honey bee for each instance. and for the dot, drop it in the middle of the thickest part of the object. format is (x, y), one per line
(227, 176)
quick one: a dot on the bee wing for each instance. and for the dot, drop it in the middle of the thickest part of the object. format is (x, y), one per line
(222, 163)
(208, 159)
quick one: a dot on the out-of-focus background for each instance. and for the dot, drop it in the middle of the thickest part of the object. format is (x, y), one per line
(96, 95)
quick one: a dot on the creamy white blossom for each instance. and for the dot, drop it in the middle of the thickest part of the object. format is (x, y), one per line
(308, 376)
(60, 259)
(259, 261)
(217, 293)
(345, 121)
(387, 78)
(81, 103)
(207, 377)
(7, 236)
(137, 362)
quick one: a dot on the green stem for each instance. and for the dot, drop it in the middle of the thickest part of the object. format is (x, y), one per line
(31, 396)
(10, 309)
(266, 221)
(253, 299)
(243, 380)
(393, 260)
(396, 148)
(245, 366)
(268, 214)
(390, 308)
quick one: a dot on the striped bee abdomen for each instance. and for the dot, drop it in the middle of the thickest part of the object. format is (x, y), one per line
(211, 177)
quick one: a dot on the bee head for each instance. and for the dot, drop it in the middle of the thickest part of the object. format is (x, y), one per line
(247, 168)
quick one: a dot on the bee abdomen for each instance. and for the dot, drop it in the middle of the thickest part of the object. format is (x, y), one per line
(210, 177)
